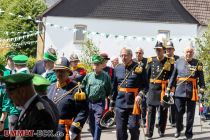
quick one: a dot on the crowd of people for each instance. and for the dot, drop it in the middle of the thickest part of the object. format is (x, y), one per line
(59, 95)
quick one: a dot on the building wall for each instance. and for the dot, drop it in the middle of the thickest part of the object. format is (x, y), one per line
(62, 40)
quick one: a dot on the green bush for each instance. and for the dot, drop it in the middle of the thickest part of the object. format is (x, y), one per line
(31, 62)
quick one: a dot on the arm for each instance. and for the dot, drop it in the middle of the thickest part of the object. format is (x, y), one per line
(81, 117)
(114, 91)
(172, 81)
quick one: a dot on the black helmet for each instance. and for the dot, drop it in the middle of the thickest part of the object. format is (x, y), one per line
(108, 119)
(167, 101)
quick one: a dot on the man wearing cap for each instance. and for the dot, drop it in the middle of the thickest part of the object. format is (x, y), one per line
(187, 76)
(39, 67)
(129, 84)
(20, 62)
(40, 85)
(159, 70)
(35, 114)
(9, 68)
(142, 61)
(107, 69)
(78, 72)
(4, 106)
(49, 61)
(20, 67)
(170, 54)
(73, 110)
(97, 85)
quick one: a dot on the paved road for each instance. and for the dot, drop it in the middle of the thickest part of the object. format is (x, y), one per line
(204, 134)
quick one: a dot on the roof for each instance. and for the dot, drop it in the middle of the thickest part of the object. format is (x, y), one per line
(141, 10)
(49, 3)
(199, 9)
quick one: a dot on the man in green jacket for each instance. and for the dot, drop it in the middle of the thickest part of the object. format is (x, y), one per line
(4, 106)
(98, 87)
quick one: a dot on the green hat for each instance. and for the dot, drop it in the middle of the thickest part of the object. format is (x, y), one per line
(96, 59)
(15, 80)
(40, 83)
(20, 59)
(10, 54)
(50, 57)
(2, 68)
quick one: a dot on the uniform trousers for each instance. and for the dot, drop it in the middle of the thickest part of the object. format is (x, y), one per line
(181, 104)
(151, 116)
(125, 120)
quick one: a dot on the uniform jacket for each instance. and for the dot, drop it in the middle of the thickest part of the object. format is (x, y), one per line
(136, 79)
(39, 67)
(68, 107)
(50, 75)
(155, 71)
(185, 69)
(37, 116)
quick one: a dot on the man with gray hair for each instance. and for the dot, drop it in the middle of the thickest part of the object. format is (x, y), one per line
(142, 61)
(187, 75)
(130, 84)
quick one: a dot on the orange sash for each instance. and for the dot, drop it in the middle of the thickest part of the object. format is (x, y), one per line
(164, 86)
(195, 90)
(136, 107)
(67, 124)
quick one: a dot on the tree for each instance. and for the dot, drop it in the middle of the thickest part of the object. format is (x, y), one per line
(29, 10)
(203, 44)
(88, 50)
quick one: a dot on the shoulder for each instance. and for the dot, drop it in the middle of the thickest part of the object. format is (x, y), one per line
(150, 59)
(119, 66)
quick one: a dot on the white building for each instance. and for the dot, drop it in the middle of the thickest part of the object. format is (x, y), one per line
(114, 24)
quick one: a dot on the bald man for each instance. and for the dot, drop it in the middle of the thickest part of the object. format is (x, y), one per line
(141, 60)
(187, 75)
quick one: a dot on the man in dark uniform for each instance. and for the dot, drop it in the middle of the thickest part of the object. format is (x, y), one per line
(39, 67)
(170, 54)
(73, 110)
(187, 75)
(159, 70)
(129, 85)
(142, 61)
(40, 85)
(35, 114)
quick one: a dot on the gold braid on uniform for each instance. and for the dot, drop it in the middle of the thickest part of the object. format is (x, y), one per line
(79, 95)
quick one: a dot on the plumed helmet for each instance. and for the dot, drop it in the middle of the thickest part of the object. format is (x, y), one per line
(167, 101)
(108, 119)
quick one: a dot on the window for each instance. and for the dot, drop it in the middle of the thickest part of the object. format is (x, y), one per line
(79, 35)
(164, 32)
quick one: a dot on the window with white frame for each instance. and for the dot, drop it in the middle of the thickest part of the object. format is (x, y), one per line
(164, 32)
(79, 34)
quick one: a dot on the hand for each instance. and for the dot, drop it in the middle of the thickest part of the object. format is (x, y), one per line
(72, 135)
(201, 90)
(138, 100)
(1, 127)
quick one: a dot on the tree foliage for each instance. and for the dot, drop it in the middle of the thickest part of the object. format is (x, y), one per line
(88, 50)
(14, 23)
(203, 44)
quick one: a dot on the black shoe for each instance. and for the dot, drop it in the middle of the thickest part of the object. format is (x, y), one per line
(177, 134)
(160, 133)
(149, 135)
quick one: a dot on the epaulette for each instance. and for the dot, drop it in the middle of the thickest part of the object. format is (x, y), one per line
(40, 106)
(77, 125)
(149, 60)
(171, 60)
